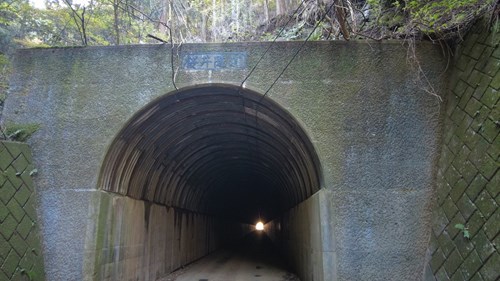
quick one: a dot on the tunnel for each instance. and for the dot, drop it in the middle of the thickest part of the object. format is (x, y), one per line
(220, 157)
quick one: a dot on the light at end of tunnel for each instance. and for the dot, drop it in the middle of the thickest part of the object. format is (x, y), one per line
(259, 226)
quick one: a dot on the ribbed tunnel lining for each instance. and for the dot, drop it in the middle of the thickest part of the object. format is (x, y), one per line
(214, 149)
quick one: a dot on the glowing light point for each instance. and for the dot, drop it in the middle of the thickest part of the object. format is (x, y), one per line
(259, 226)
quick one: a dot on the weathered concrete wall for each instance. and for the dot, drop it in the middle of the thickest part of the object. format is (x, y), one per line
(374, 127)
(298, 234)
(468, 186)
(21, 256)
(137, 240)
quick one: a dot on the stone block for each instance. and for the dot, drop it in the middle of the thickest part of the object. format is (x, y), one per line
(24, 227)
(453, 262)
(481, 87)
(451, 229)
(463, 244)
(449, 208)
(493, 185)
(473, 106)
(4, 248)
(474, 78)
(492, 226)
(475, 223)
(479, 150)
(455, 144)
(488, 167)
(463, 126)
(489, 130)
(477, 51)
(477, 277)
(476, 186)
(477, 124)
(445, 243)
(472, 138)
(496, 53)
(439, 221)
(10, 264)
(495, 114)
(460, 88)
(452, 175)
(468, 69)
(486, 204)
(441, 275)
(12, 176)
(457, 190)
(471, 265)
(5, 158)
(468, 171)
(18, 244)
(466, 206)
(16, 210)
(3, 211)
(437, 260)
(449, 133)
(490, 270)
(483, 246)
(482, 62)
(22, 195)
(495, 82)
(8, 227)
(20, 163)
(496, 241)
(461, 63)
(457, 116)
(492, 66)
(457, 276)
(30, 209)
(433, 244)
(7, 191)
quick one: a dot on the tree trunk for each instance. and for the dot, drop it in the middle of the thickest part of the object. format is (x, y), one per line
(280, 7)
(214, 21)
(266, 10)
(116, 21)
(204, 28)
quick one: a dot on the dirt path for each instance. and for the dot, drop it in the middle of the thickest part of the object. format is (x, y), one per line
(253, 260)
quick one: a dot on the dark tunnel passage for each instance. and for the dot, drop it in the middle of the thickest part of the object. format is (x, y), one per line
(211, 151)
(218, 150)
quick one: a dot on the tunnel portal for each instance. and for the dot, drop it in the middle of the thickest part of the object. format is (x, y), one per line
(215, 149)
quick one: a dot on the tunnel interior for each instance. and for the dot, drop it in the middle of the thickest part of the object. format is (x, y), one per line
(219, 150)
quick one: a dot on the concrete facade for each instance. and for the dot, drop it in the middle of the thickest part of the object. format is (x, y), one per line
(374, 127)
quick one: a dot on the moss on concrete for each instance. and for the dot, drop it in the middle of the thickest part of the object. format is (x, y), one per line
(20, 132)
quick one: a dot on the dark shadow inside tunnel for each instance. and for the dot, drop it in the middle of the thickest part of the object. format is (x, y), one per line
(215, 149)
(218, 151)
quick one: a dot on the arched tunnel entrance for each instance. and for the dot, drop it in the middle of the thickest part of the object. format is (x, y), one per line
(220, 157)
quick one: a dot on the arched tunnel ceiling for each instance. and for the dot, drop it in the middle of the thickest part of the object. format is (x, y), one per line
(215, 149)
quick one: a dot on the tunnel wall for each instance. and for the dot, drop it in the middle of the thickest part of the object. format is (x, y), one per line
(468, 184)
(369, 116)
(297, 234)
(138, 240)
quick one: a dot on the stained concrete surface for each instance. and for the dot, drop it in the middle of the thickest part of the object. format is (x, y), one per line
(373, 126)
(255, 258)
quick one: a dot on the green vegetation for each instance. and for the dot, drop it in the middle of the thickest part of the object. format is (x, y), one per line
(4, 74)
(464, 230)
(107, 22)
(19, 132)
